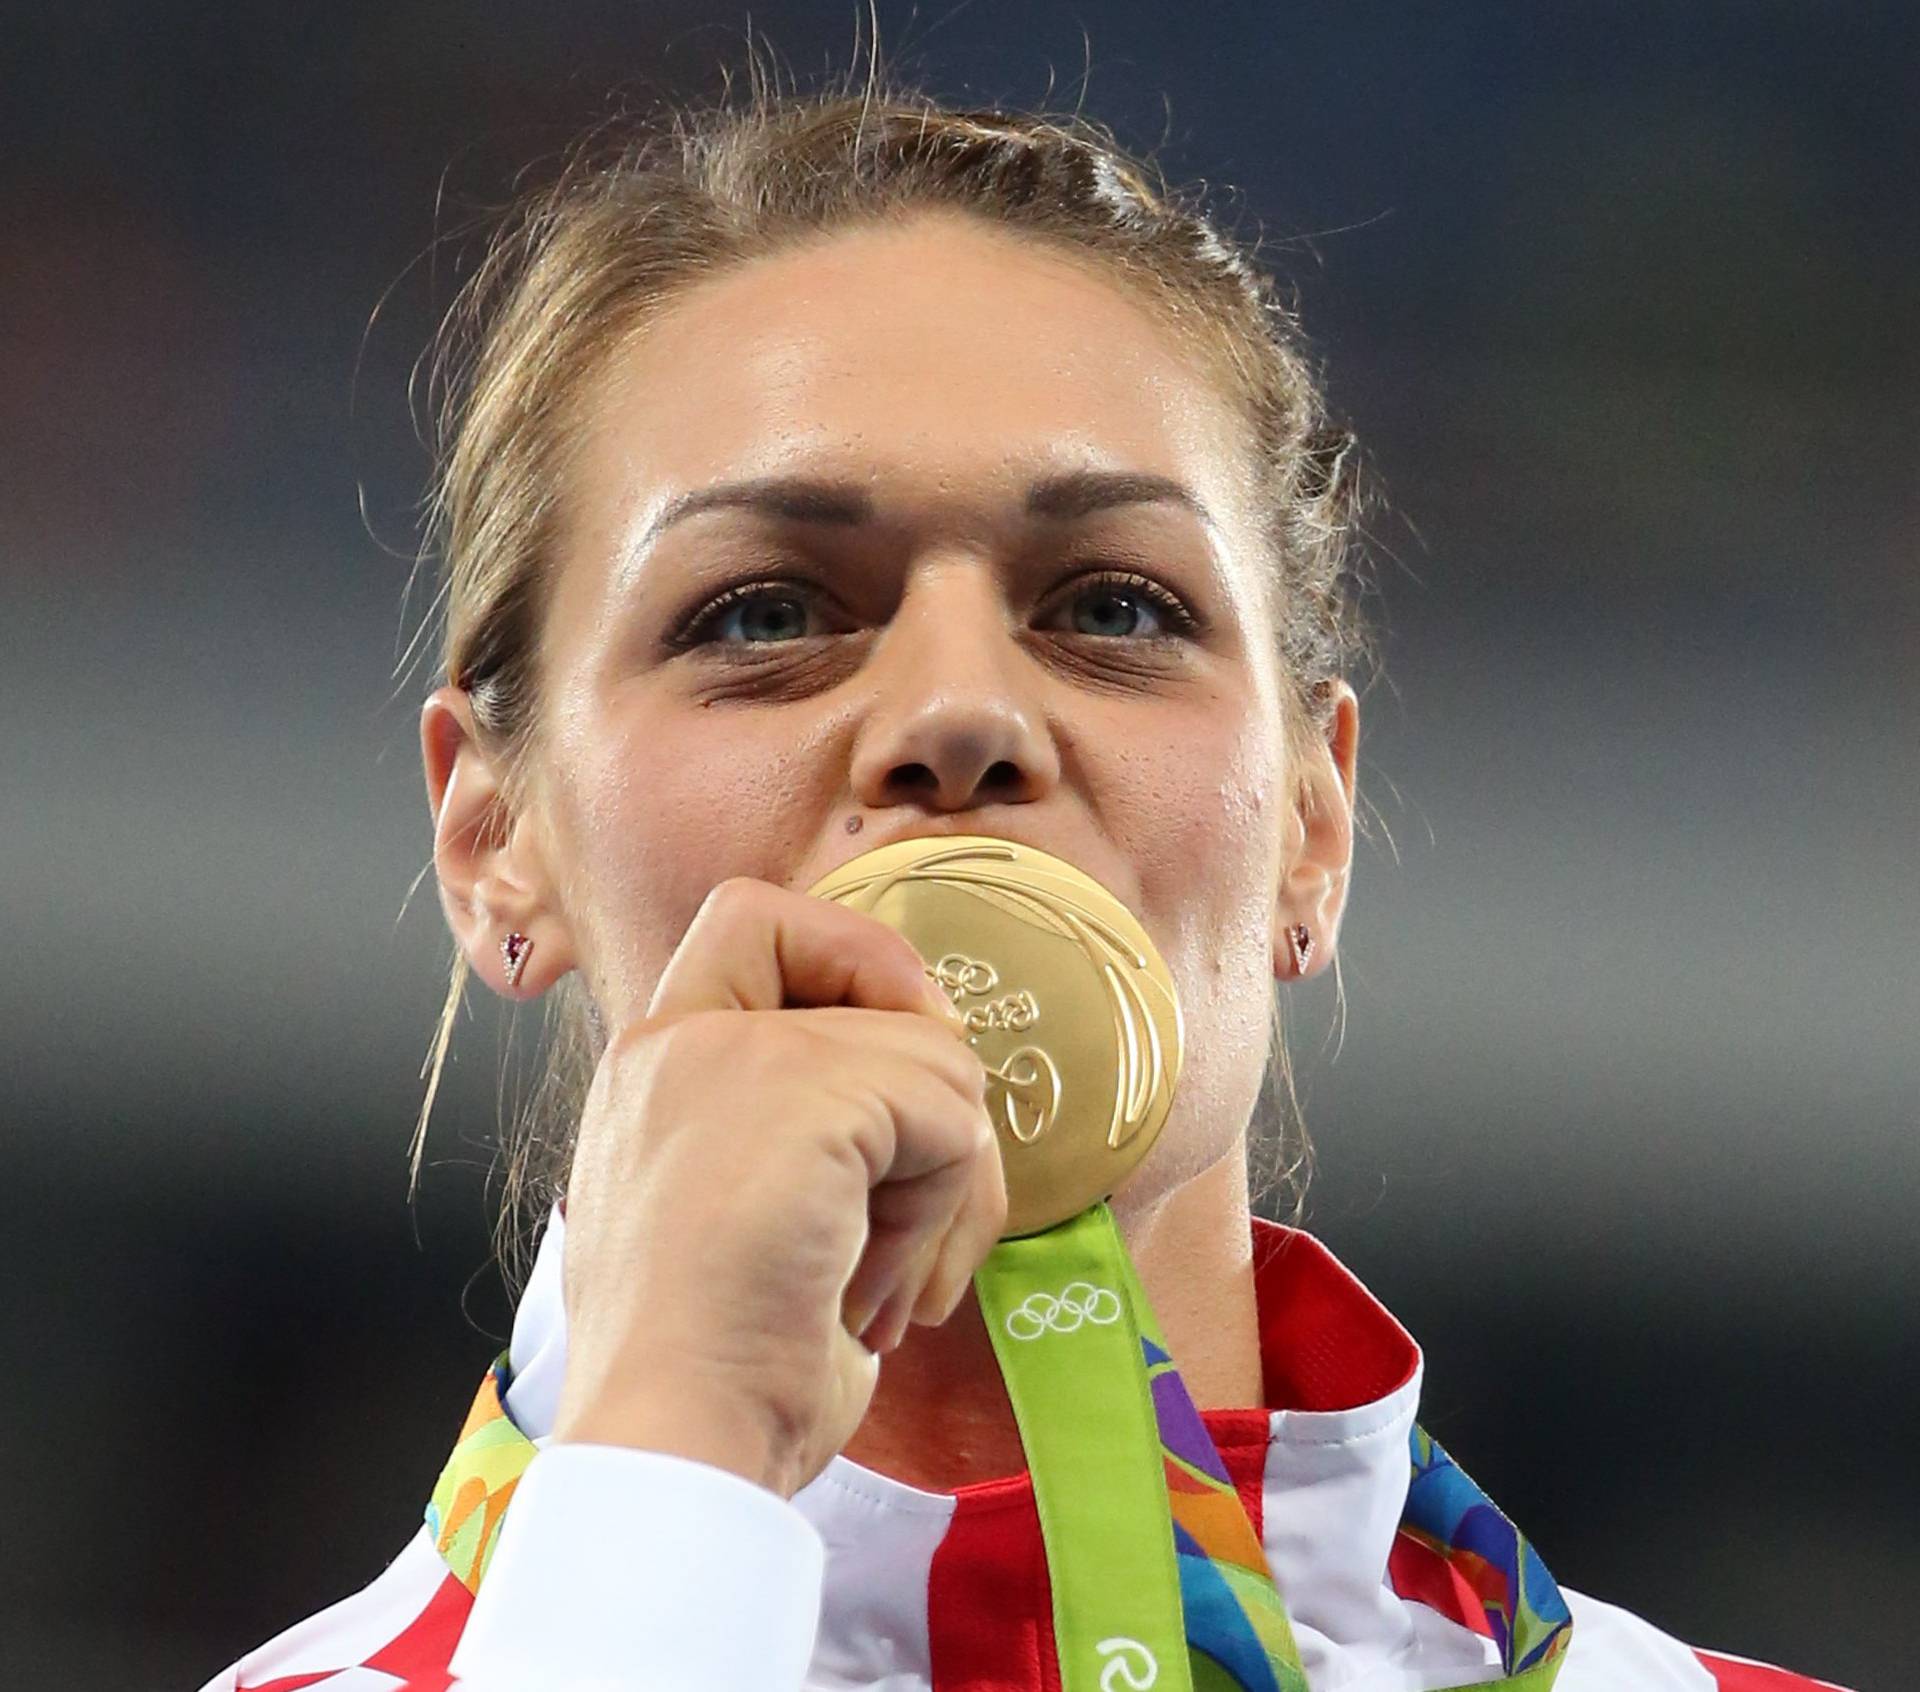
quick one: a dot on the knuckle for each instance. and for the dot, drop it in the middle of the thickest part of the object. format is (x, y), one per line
(733, 891)
(732, 902)
(857, 1118)
(732, 905)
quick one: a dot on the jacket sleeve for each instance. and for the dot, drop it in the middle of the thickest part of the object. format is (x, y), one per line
(1615, 1650)
(619, 1569)
(614, 1570)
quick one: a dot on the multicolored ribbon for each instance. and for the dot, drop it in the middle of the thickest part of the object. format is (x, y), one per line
(470, 1500)
(1465, 1537)
(1085, 1417)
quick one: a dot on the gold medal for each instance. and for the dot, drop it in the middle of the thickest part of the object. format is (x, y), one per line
(1067, 1002)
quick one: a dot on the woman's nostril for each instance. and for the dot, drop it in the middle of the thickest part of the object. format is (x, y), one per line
(919, 780)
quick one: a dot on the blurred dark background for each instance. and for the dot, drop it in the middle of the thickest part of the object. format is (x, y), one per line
(1621, 1118)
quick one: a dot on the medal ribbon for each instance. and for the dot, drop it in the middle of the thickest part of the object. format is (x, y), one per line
(1158, 1578)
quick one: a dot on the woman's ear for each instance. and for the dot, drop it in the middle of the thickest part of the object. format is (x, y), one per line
(494, 878)
(1318, 866)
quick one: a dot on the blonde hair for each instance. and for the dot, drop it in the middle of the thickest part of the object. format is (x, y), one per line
(634, 217)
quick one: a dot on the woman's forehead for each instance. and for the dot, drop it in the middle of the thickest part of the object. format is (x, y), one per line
(930, 358)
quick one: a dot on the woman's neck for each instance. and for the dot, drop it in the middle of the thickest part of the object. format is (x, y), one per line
(940, 1417)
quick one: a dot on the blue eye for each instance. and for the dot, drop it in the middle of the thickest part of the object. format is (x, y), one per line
(767, 613)
(1127, 589)
(773, 613)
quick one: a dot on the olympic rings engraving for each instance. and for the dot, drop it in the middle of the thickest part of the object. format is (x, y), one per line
(971, 978)
(1078, 1302)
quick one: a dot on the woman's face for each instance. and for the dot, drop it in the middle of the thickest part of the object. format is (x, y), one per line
(919, 459)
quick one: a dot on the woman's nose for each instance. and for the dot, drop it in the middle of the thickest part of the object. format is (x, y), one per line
(955, 717)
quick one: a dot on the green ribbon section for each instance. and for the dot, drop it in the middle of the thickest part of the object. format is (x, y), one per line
(1539, 1678)
(1064, 1328)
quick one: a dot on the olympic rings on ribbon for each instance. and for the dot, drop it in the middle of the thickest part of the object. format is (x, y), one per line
(1079, 1301)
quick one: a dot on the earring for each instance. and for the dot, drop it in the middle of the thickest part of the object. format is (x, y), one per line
(1302, 943)
(515, 949)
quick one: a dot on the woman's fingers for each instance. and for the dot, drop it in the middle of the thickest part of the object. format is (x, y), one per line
(974, 1233)
(754, 946)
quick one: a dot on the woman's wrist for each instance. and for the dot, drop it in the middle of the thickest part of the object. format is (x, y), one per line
(718, 1435)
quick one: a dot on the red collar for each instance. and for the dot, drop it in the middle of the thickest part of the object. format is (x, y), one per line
(1326, 1343)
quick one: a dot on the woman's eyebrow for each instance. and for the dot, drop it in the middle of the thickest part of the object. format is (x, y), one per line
(1065, 497)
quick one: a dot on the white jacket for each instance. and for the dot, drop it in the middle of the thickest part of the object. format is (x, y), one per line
(631, 1571)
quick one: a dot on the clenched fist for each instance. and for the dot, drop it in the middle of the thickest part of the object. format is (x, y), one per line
(786, 1160)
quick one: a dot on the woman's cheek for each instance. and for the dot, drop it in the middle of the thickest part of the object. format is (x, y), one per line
(1209, 864)
(718, 794)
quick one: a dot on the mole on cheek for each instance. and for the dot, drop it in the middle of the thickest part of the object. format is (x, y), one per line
(853, 825)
